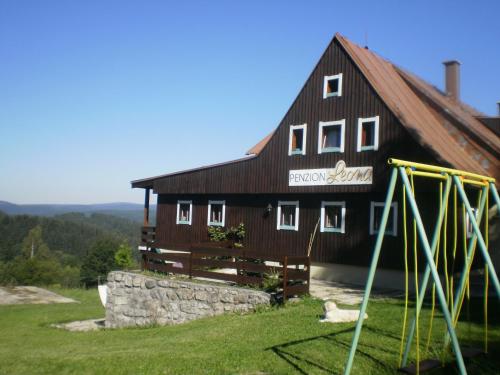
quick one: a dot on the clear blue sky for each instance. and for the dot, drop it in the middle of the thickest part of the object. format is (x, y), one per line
(94, 94)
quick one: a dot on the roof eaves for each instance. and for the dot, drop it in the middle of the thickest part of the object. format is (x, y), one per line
(148, 182)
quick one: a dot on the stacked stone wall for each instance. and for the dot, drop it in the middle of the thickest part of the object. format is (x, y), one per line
(138, 300)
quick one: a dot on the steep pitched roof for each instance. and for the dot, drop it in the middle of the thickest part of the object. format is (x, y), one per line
(429, 127)
(255, 150)
(448, 128)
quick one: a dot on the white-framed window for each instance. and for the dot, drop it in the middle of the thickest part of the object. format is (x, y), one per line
(468, 223)
(331, 136)
(288, 215)
(297, 140)
(216, 213)
(332, 86)
(376, 210)
(333, 217)
(184, 212)
(368, 133)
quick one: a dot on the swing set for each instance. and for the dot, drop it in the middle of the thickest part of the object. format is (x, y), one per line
(452, 300)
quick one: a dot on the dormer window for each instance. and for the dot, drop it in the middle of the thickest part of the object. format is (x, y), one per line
(297, 140)
(332, 86)
(368, 133)
(331, 136)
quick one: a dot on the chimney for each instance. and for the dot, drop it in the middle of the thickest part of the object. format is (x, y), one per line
(498, 108)
(452, 78)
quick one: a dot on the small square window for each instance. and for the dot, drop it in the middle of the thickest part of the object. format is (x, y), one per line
(331, 136)
(216, 213)
(332, 86)
(468, 223)
(297, 141)
(288, 215)
(184, 212)
(368, 133)
(333, 217)
(376, 211)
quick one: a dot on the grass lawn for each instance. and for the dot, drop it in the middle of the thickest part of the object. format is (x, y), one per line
(285, 340)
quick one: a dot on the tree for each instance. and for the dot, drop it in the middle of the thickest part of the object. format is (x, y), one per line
(33, 245)
(99, 261)
(123, 256)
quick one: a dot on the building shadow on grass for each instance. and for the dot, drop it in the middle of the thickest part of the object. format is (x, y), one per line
(299, 361)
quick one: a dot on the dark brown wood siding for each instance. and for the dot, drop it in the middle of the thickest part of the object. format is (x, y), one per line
(353, 247)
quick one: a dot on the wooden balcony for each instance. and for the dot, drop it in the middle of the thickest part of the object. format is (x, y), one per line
(148, 235)
(248, 267)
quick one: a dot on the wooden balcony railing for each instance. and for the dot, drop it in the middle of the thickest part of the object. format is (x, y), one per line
(246, 267)
(148, 235)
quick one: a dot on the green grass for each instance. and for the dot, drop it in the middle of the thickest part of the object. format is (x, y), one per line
(285, 340)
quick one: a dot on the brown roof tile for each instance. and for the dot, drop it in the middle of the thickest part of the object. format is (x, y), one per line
(451, 145)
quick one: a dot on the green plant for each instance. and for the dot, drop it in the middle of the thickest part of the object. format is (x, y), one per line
(217, 234)
(271, 280)
(123, 256)
(234, 234)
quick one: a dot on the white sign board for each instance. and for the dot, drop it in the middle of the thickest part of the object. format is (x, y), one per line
(340, 175)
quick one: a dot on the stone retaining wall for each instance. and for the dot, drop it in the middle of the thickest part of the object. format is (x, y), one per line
(136, 300)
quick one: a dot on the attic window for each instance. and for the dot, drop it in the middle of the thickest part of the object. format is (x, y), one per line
(297, 140)
(216, 213)
(184, 209)
(288, 215)
(331, 136)
(368, 133)
(332, 86)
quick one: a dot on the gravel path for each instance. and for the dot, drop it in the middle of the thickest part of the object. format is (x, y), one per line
(346, 294)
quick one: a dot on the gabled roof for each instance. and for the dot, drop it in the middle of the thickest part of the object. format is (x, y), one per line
(255, 150)
(449, 143)
(447, 127)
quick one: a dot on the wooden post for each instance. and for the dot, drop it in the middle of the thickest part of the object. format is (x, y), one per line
(285, 277)
(308, 275)
(191, 264)
(146, 207)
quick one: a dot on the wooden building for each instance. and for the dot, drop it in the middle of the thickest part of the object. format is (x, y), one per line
(327, 161)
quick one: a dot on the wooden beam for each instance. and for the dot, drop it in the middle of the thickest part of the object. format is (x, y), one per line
(146, 206)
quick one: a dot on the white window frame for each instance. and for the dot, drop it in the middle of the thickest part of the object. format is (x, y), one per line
(177, 220)
(394, 207)
(288, 203)
(327, 94)
(304, 139)
(361, 121)
(468, 224)
(325, 124)
(342, 224)
(210, 223)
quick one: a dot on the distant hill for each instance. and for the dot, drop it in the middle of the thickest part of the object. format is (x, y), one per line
(71, 233)
(131, 211)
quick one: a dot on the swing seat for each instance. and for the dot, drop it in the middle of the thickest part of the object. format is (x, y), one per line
(425, 365)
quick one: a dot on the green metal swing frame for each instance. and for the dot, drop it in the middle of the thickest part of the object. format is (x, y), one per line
(458, 179)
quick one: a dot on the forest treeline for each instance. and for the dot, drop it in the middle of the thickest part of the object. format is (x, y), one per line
(70, 249)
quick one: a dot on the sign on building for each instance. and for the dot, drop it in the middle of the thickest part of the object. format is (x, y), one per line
(339, 175)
